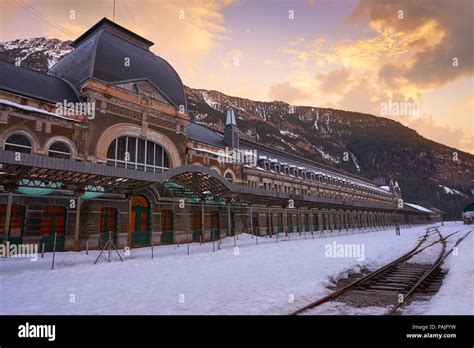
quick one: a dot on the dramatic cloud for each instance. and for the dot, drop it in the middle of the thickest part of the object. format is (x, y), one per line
(334, 82)
(433, 65)
(186, 30)
(286, 92)
(454, 137)
(358, 56)
(391, 76)
(360, 98)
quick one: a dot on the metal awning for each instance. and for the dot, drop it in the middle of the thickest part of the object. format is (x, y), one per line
(71, 175)
(189, 181)
(36, 170)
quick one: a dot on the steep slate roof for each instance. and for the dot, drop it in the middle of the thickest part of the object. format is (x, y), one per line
(35, 84)
(208, 136)
(101, 53)
(205, 135)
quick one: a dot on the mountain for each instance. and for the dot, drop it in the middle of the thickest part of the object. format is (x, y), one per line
(37, 53)
(429, 173)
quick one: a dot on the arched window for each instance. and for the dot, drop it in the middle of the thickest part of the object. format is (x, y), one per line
(59, 149)
(139, 154)
(229, 177)
(18, 143)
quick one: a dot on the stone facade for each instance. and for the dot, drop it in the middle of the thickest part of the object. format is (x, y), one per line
(141, 115)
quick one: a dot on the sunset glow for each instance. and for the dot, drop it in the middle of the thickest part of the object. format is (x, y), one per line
(351, 55)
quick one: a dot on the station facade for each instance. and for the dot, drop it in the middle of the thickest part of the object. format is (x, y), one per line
(102, 147)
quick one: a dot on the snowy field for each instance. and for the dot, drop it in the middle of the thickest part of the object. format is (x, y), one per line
(268, 278)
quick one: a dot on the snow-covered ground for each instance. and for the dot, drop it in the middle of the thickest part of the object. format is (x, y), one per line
(456, 295)
(268, 278)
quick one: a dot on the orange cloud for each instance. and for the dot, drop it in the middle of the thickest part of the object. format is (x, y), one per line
(286, 92)
(334, 82)
(450, 136)
(433, 65)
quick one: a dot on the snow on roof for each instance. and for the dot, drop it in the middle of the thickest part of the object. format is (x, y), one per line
(450, 190)
(418, 207)
(326, 174)
(30, 108)
(385, 187)
(210, 152)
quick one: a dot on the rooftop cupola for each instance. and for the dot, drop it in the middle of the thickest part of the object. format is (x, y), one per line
(230, 120)
(231, 131)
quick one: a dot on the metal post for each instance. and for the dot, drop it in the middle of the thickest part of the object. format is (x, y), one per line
(87, 247)
(270, 225)
(110, 239)
(250, 222)
(257, 231)
(202, 223)
(228, 223)
(298, 219)
(212, 236)
(42, 250)
(54, 249)
(304, 224)
(8, 216)
(189, 230)
(277, 233)
(289, 232)
(77, 224)
(130, 222)
(151, 243)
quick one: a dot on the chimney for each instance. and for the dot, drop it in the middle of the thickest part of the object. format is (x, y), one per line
(231, 131)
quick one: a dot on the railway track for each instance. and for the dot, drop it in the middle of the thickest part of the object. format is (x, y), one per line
(398, 279)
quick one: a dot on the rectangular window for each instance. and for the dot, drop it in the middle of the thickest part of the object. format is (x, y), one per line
(121, 148)
(132, 148)
(141, 151)
(159, 157)
(150, 153)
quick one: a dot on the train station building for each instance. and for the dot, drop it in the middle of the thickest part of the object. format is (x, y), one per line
(103, 143)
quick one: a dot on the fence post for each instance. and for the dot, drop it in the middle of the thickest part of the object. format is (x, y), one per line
(110, 239)
(54, 249)
(151, 243)
(212, 235)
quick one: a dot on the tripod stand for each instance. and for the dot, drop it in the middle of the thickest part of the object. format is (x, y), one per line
(109, 244)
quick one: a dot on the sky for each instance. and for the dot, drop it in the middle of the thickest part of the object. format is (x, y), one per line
(412, 61)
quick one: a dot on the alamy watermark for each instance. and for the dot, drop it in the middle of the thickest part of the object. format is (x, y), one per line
(37, 331)
(345, 250)
(19, 250)
(390, 108)
(237, 156)
(78, 108)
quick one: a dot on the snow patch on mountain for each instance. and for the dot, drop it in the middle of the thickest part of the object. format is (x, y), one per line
(209, 101)
(31, 52)
(289, 134)
(316, 120)
(326, 155)
(451, 191)
(354, 160)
